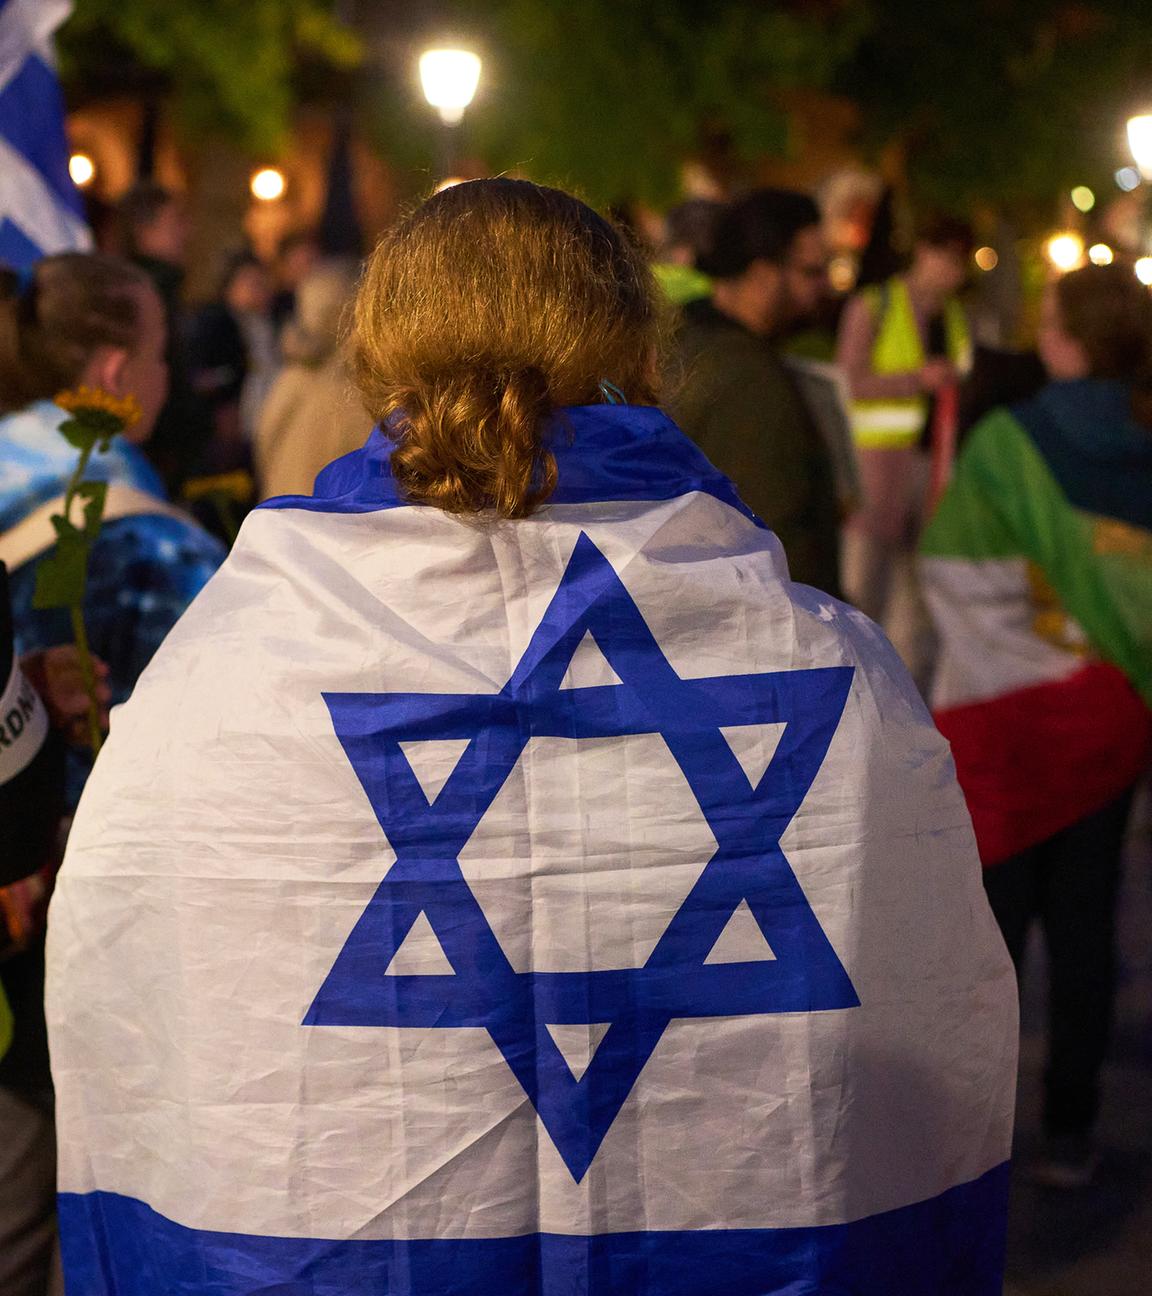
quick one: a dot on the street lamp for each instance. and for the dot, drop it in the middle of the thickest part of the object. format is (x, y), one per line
(268, 184)
(449, 78)
(1065, 251)
(1140, 143)
(82, 170)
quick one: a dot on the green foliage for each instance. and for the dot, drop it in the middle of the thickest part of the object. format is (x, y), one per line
(1002, 100)
(611, 96)
(230, 63)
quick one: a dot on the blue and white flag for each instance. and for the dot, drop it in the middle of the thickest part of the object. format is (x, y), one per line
(41, 210)
(571, 905)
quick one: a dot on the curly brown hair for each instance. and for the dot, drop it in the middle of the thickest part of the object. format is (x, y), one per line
(480, 314)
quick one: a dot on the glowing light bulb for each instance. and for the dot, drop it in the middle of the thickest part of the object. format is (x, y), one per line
(1065, 251)
(82, 169)
(1140, 142)
(268, 184)
(449, 78)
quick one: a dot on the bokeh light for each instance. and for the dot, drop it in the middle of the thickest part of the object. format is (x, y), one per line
(449, 78)
(1144, 270)
(1128, 178)
(1083, 199)
(987, 258)
(1065, 251)
(82, 169)
(1140, 142)
(842, 274)
(1101, 254)
(268, 184)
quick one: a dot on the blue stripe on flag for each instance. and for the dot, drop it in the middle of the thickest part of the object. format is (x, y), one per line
(17, 251)
(603, 453)
(951, 1245)
(32, 121)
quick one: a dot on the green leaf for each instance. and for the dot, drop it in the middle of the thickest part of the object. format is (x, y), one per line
(65, 530)
(94, 493)
(61, 575)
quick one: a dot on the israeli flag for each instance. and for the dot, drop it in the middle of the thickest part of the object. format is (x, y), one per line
(40, 208)
(571, 906)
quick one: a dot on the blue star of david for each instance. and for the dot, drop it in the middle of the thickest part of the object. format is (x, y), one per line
(427, 837)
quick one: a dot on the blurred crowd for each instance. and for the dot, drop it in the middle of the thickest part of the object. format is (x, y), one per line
(847, 423)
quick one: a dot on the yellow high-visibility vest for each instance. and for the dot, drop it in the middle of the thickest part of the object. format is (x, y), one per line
(896, 423)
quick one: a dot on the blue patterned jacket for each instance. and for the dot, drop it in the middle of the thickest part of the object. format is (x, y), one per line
(144, 571)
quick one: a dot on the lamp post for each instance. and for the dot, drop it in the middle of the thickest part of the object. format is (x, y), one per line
(449, 78)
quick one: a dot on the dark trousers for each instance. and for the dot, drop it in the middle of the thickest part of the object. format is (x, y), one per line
(1069, 883)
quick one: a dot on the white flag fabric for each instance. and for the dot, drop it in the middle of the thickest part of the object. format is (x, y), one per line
(550, 907)
(41, 210)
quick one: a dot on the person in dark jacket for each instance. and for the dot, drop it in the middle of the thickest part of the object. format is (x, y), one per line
(233, 357)
(734, 394)
(154, 231)
(42, 703)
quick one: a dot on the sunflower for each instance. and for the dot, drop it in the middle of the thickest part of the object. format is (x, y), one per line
(99, 406)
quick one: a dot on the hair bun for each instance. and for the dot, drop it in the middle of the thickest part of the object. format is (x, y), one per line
(480, 313)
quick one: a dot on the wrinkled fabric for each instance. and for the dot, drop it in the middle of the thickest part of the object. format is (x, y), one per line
(143, 570)
(566, 905)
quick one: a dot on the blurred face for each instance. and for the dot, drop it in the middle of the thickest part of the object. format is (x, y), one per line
(297, 262)
(249, 290)
(167, 236)
(763, 299)
(805, 275)
(1063, 357)
(144, 372)
(940, 272)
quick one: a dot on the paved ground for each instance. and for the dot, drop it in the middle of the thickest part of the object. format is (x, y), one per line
(1097, 1242)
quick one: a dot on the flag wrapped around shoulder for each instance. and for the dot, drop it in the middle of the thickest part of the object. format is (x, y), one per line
(566, 905)
(1037, 567)
(41, 210)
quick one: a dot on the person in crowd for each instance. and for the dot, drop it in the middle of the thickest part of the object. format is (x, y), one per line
(153, 234)
(311, 415)
(432, 900)
(92, 320)
(1038, 572)
(900, 343)
(688, 230)
(234, 357)
(43, 703)
(297, 256)
(738, 399)
(97, 321)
